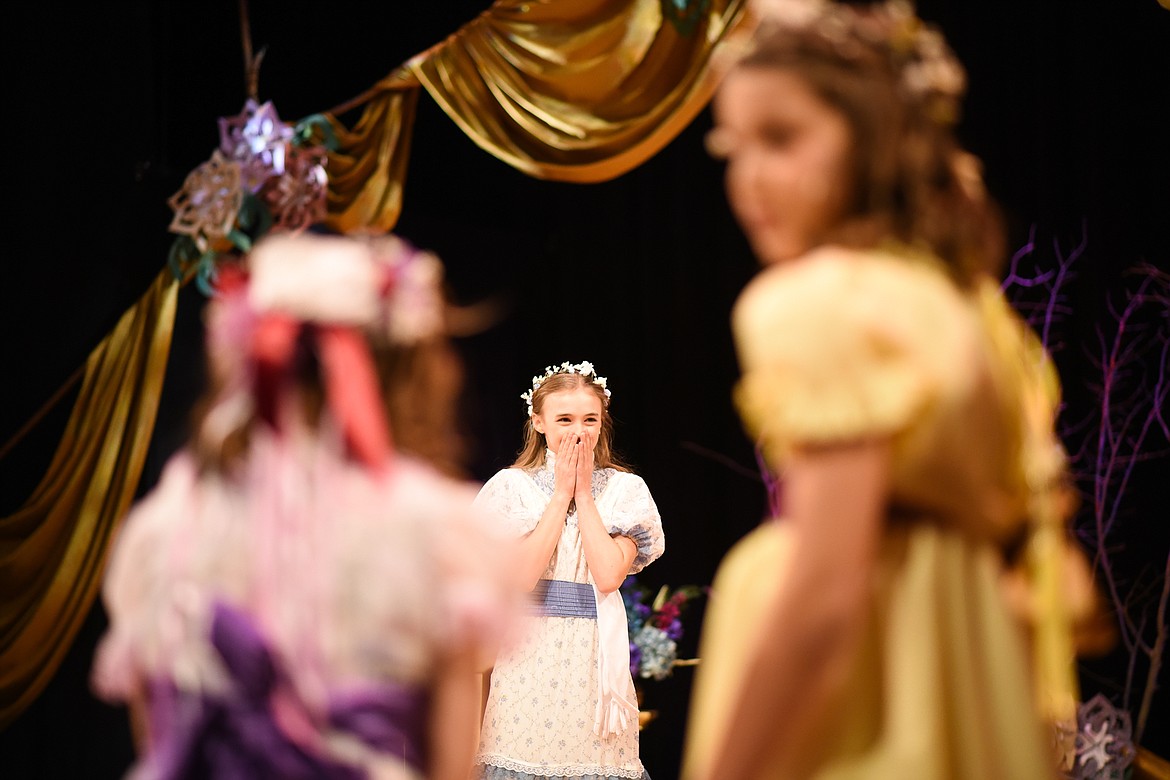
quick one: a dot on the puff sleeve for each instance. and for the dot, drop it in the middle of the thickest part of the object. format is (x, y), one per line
(135, 588)
(845, 345)
(630, 511)
(512, 502)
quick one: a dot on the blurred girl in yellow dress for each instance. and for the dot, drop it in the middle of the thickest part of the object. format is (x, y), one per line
(908, 413)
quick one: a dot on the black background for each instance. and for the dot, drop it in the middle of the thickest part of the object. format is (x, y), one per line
(109, 106)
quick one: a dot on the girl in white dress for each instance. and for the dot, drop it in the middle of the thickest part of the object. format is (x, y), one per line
(562, 701)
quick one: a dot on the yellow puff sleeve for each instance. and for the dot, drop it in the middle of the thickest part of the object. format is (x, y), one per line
(844, 345)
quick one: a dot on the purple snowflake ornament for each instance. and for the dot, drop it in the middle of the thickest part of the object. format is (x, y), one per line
(298, 198)
(206, 207)
(257, 140)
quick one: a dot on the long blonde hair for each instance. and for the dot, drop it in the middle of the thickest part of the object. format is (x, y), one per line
(531, 454)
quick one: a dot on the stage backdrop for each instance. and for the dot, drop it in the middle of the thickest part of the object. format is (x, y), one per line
(115, 110)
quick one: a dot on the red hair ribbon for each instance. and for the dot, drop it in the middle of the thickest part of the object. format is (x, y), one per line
(351, 388)
(273, 343)
(347, 368)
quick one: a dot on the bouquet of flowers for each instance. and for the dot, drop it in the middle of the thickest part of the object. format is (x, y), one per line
(655, 626)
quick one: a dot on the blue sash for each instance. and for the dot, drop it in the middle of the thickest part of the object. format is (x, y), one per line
(558, 598)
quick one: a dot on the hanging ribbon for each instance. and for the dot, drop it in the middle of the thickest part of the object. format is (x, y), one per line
(351, 388)
(617, 706)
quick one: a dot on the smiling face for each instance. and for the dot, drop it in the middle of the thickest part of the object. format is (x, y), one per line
(788, 160)
(568, 413)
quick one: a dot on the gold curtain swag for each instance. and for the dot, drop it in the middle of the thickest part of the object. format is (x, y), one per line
(575, 91)
(53, 548)
(368, 173)
(566, 90)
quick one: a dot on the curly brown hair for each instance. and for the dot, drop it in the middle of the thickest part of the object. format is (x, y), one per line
(913, 182)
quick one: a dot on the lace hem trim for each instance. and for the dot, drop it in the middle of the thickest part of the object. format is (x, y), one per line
(561, 770)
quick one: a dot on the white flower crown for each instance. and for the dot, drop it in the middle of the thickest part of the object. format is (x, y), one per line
(584, 368)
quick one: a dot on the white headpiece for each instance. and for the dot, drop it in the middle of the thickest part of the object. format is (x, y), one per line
(584, 368)
(339, 290)
(381, 284)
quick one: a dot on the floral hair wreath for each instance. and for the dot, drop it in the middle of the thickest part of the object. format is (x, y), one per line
(930, 74)
(584, 368)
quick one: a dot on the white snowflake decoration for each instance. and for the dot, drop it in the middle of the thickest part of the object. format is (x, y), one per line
(1104, 746)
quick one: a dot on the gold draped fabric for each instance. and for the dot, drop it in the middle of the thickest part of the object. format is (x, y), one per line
(576, 91)
(53, 548)
(367, 174)
(569, 90)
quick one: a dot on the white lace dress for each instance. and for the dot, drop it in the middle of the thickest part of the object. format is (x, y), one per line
(542, 708)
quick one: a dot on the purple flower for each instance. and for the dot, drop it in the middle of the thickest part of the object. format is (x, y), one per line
(675, 630)
(635, 658)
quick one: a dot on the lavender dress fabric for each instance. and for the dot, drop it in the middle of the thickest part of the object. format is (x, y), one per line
(288, 621)
(236, 737)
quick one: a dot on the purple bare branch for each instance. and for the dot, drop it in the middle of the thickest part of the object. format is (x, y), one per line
(1131, 666)
(719, 457)
(1156, 654)
(1064, 264)
(770, 482)
(1118, 354)
(1013, 278)
(1160, 391)
(1109, 441)
(1128, 463)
